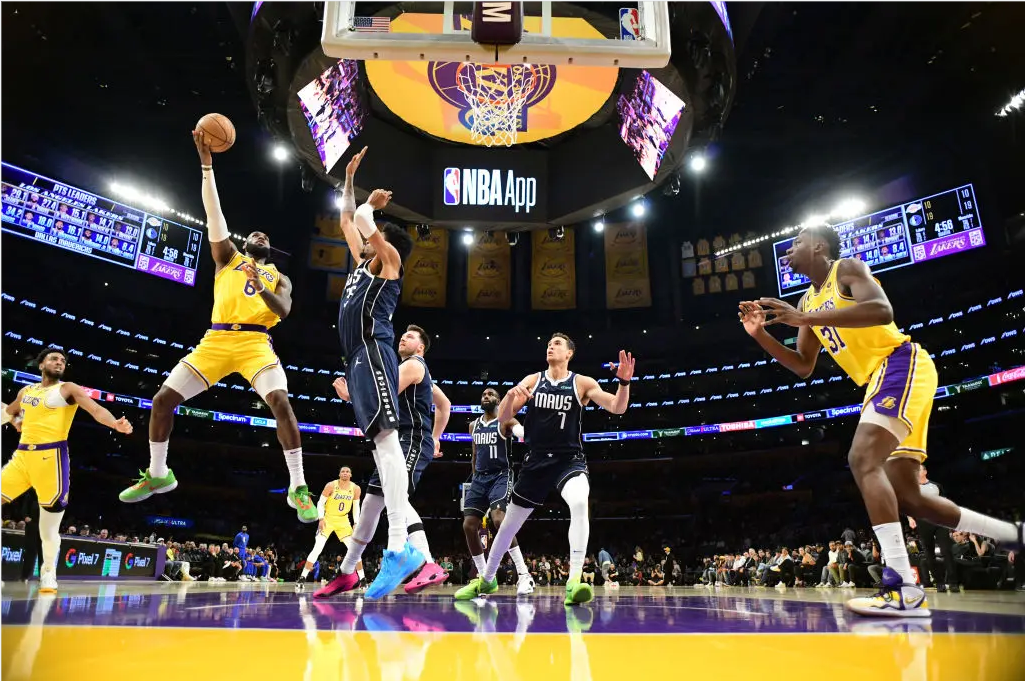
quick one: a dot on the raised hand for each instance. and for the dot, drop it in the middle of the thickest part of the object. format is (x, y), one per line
(252, 274)
(778, 312)
(752, 316)
(625, 367)
(518, 392)
(203, 147)
(353, 165)
(379, 198)
(123, 426)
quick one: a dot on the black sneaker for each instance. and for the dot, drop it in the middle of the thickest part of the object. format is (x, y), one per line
(300, 585)
(955, 589)
(941, 588)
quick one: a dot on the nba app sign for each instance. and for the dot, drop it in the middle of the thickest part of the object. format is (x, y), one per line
(489, 187)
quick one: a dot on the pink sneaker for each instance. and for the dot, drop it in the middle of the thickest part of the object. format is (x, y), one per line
(430, 574)
(339, 584)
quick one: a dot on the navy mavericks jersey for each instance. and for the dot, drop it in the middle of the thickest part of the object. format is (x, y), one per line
(365, 312)
(492, 446)
(415, 418)
(552, 424)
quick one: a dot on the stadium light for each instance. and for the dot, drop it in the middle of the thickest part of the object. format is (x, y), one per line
(338, 201)
(141, 198)
(638, 209)
(848, 208)
(1017, 102)
(698, 163)
(599, 226)
(280, 153)
(468, 239)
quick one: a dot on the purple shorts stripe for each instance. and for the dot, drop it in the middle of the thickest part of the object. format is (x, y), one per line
(197, 372)
(64, 465)
(896, 378)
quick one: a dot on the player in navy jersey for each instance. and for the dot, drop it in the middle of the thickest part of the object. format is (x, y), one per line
(420, 438)
(555, 400)
(365, 330)
(491, 485)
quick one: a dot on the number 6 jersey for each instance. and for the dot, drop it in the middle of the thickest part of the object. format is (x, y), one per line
(552, 424)
(236, 300)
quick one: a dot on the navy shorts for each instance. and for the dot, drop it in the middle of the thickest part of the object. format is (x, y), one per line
(419, 455)
(372, 375)
(543, 472)
(488, 491)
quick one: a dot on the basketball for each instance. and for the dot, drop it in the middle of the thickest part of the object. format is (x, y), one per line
(219, 131)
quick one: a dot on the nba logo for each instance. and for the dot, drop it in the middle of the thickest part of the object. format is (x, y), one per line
(629, 24)
(451, 182)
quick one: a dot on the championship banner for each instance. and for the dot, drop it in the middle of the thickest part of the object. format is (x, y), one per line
(489, 271)
(626, 266)
(553, 282)
(426, 270)
(329, 255)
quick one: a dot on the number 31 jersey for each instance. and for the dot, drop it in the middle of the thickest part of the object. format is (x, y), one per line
(859, 352)
(236, 300)
(553, 421)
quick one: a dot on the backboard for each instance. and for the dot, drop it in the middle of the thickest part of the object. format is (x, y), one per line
(552, 33)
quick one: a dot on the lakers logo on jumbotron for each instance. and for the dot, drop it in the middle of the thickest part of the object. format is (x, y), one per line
(887, 403)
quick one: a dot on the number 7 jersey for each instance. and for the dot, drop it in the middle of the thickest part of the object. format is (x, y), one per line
(858, 351)
(552, 424)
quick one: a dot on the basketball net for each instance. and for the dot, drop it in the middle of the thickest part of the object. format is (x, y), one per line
(495, 94)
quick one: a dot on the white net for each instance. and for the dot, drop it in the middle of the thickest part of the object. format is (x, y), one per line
(496, 94)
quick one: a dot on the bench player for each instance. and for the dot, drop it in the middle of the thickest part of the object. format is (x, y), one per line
(847, 312)
(555, 401)
(43, 413)
(250, 296)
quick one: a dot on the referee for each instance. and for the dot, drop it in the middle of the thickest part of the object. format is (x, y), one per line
(931, 535)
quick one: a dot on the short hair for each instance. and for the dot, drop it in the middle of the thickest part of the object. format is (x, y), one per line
(827, 234)
(569, 341)
(41, 357)
(424, 336)
(399, 238)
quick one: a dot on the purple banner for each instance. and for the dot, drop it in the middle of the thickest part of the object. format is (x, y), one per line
(955, 243)
(167, 270)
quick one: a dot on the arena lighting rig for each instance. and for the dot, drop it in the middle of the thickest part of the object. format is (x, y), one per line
(848, 208)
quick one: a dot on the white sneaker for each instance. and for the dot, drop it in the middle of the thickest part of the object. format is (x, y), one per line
(781, 586)
(525, 585)
(48, 581)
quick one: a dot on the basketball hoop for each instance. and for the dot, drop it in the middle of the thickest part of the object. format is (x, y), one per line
(495, 95)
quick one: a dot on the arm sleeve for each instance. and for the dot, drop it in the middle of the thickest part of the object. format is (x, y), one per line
(364, 219)
(321, 506)
(216, 225)
(355, 512)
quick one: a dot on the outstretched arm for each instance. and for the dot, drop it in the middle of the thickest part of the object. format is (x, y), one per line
(352, 237)
(513, 427)
(590, 391)
(802, 361)
(517, 396)
(442, 412)
(279, 301)
(391, 262)
(73, 393)
(221, 246)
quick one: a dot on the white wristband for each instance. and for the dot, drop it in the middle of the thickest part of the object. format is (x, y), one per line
(517, 431)
(364, 219)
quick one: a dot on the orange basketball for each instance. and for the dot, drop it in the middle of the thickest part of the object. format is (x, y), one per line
(219, 131)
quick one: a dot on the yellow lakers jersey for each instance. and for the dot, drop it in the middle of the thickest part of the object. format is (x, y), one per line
(47, 415)
(859, 352)
(236, 300)
(340, 503)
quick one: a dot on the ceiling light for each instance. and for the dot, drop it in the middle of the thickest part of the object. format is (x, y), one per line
(698, 163)
(638, 209)
(280, 153)
(468, 239)
(599, 226)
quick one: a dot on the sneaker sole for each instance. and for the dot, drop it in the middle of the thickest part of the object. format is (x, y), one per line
(580, 596)
(299, 514)
(163, 490)
(875, 612)
(437, 580)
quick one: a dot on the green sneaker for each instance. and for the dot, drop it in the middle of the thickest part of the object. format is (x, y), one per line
(578, 592)
(299, 499)
(477, 587)
(147, 486)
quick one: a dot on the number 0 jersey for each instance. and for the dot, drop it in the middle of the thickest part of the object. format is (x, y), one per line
(552, 424)
(340, 503)
(859, 352)
(236, 300)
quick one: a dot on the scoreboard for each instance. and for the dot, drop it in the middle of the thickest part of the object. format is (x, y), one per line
(913, 232)
(54, 213)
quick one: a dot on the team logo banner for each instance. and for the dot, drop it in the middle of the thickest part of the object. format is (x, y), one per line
(426, 270)
(626, 266)
(489, 271)
(553, 282)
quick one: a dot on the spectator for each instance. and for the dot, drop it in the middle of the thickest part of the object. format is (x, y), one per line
(588, 570)
(781, 575)
(933, 536)
(854, 563)
(657, 577)
(604, 562)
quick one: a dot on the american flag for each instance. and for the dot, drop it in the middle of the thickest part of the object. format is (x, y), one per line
(371, 24)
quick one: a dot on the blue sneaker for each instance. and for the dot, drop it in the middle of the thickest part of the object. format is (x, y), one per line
(396, 566)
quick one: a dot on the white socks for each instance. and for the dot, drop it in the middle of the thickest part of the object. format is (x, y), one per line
(575, 493)
(391, 467)
(158, 459)
(366, 528)
(49, 533)
(517, 556)
(515, 516)
(318, 546)
(894, 550)
(480, 564)
(294, 461)
(416, 535)
(976, 523)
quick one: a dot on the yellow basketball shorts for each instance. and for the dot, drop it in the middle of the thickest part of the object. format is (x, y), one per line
(43, 467)
(341, 529)
(899, 398)
(220, 353)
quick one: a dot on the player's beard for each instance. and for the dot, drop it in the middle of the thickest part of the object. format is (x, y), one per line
(489, 406)
(52, 375)
(257, 251)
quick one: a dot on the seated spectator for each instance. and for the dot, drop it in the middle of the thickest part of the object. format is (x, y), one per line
(588, 571)
(656, 577)
(612, 580)
(781, 574)
(854, 570)
(875, 566)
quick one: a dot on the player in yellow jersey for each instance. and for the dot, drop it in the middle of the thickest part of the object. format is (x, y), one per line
(339, 498)
(43, 413)
(847, 312)
(250, 296)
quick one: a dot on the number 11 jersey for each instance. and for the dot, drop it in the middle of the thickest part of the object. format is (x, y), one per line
(553, 421)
